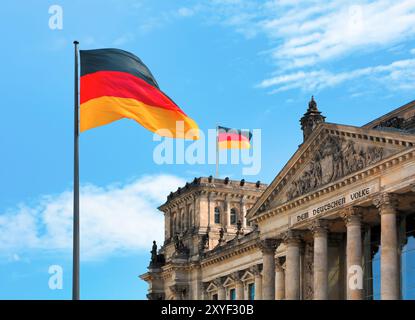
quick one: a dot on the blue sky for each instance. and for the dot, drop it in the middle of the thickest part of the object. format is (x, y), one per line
(243, 64)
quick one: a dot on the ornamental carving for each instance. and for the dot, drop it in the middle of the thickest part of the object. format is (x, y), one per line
(395, 122)
(335, 158)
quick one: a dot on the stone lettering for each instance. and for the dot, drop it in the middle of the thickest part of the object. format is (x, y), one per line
(302, 217)
(334, 204)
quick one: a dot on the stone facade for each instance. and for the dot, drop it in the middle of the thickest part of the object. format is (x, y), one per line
(345, 196)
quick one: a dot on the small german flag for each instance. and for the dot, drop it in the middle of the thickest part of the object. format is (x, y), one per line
(233, 138)
(116, 84)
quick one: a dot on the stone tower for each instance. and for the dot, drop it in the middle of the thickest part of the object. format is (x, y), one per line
(311, 119)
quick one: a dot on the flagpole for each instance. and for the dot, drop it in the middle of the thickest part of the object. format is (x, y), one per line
(217, 152)
(75, 270)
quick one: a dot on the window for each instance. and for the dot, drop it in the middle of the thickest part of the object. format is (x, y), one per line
(232, 294)
(183, 220)
(217, 215)
(215, 296)
(251, 291)
(174, 226)
(233, 216)
(191, 218)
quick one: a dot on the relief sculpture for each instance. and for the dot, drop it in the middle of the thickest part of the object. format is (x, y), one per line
(335, 158)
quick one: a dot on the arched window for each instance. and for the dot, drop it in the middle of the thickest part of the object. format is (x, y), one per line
(183, 220)
(191, 222)
(177, 225)
(233, 216)
(174, 226)
(217, 215)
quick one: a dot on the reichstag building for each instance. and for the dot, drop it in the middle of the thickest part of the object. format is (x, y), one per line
(337, 222)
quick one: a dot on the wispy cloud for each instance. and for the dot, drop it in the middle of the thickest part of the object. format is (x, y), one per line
(114, 219)
(313, 32)
(397, 75)
(308, 37)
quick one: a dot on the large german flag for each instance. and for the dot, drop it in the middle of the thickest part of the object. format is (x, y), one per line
(116, 84)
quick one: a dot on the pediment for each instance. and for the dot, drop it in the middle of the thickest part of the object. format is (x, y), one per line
(332, 152)
(247, 276)
(228, 282)
(211, 287)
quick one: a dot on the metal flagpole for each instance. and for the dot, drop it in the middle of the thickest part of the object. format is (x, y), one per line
(75, 270)
(217, 151)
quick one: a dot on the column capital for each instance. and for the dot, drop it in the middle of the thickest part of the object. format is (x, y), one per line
(256, 269)
(319, 227)
(386, 202)
(268, 245)
(219, 281)
(352, 215)
(237, 276)
(293, 237)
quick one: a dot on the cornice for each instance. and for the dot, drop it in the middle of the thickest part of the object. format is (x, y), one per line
(229, 251)
(234, 194)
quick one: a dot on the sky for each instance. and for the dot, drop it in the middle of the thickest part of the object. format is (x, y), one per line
(240, 64)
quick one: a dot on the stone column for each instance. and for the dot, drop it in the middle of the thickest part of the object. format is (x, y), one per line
(256, 270)
(205, 294)
(292, 265)
(268, 247)
(320, 260)
(239, 286)
(354, 271)
(279, 280)
(367, 261)
(243, 213)
(221, 289)
(167, 225)
(389, 256)
(209, 211)
(227, 213)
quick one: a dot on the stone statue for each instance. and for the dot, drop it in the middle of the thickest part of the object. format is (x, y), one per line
(204, 242)
(179, 245)
(154, 253)
(176, 241)
(221, 234)
(239, 228)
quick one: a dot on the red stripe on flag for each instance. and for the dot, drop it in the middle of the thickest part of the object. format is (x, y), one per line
(224, 136)
(123, 85)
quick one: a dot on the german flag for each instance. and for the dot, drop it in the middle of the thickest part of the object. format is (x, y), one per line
(233, 138)
(116, 84)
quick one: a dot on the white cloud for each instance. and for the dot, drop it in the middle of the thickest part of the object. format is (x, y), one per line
(115, 219)
(306, 35)
(312, 34)
(397, 75)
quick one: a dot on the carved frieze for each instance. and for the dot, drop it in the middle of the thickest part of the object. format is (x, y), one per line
(335, 158)
(395, 122)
